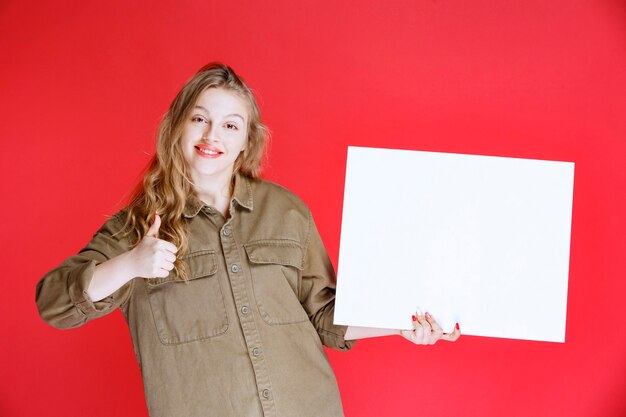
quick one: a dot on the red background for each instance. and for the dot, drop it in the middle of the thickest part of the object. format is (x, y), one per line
(84, 84)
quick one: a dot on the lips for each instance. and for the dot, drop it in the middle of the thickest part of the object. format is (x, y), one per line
(207, 151)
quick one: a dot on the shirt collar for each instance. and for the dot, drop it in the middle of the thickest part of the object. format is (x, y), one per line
(243, 192)
(242, 195)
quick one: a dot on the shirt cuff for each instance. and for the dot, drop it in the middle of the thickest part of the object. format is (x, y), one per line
(337, 339)
(332, 335)
(78, 282)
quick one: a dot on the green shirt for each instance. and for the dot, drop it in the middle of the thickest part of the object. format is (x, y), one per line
(244, 337)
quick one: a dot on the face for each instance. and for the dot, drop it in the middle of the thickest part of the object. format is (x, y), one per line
(214, 135)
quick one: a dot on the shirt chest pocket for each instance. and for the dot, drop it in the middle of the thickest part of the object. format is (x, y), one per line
(276, 269)
(185, 312)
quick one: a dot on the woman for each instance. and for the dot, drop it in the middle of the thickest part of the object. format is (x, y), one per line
(222, 277)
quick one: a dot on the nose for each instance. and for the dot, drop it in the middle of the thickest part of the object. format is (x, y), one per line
(210, 133)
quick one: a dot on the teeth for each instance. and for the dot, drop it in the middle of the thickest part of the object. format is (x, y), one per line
(207, 151)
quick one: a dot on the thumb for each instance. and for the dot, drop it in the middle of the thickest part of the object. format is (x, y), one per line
(153, 231)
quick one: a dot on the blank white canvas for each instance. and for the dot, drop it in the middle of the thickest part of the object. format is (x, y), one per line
(479, 240)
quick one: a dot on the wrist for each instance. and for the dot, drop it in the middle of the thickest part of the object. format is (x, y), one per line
(126, 266)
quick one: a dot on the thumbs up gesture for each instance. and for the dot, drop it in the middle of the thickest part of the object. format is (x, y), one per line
(153, 257)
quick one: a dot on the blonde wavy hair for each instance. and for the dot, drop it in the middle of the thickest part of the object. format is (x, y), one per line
(167, 182)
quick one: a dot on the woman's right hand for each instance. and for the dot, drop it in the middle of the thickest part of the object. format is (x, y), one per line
(153, 257)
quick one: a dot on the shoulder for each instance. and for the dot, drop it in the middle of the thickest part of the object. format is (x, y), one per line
(114, 224)
(267, 192)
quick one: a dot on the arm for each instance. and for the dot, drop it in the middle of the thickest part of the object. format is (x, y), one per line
(426, 331)
(317, 292)
(110, 276)
(356, 332)
(99, 279)
(61, 295)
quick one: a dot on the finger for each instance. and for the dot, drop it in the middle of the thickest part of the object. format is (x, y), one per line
(168, 246)
(168, 256)
(421, 319)
(437, 331)
(426, 329)
(153, 231)
(419, 328)
(168, 266)
(452, 337)
(410, 334)
(161, 273)
(433, 323)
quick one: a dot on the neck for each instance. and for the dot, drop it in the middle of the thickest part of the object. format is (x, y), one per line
(215, 192)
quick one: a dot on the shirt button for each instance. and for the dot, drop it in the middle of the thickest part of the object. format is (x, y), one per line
(266, 393)
(234, 268)
(256, 351)
(245, 310)
(227, 232)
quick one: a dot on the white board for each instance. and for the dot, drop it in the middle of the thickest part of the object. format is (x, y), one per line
(479, 240)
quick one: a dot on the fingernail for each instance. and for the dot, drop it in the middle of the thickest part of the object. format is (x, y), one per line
(457, 326)
(414, 318)
(154, 215)
(428, 316)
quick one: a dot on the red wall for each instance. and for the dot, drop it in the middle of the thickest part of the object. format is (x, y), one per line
(84, 83)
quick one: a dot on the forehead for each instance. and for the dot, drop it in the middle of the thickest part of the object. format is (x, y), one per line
(222, 101)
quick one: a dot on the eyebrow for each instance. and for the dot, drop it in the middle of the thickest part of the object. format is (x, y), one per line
(228, 115)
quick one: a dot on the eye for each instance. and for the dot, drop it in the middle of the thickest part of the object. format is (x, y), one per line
(232, 126)
(198, 119)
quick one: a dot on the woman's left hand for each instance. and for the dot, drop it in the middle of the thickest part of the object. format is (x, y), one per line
(427, 331)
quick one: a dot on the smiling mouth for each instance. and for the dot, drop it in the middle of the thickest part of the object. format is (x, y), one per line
(207, 151)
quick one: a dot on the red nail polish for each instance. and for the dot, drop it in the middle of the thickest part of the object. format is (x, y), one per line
(427, 315)
(154, 216)
(414, 318)
(457, 326)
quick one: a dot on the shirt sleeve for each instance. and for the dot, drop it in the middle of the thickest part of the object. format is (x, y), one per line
(317, 293)
(61, 295)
